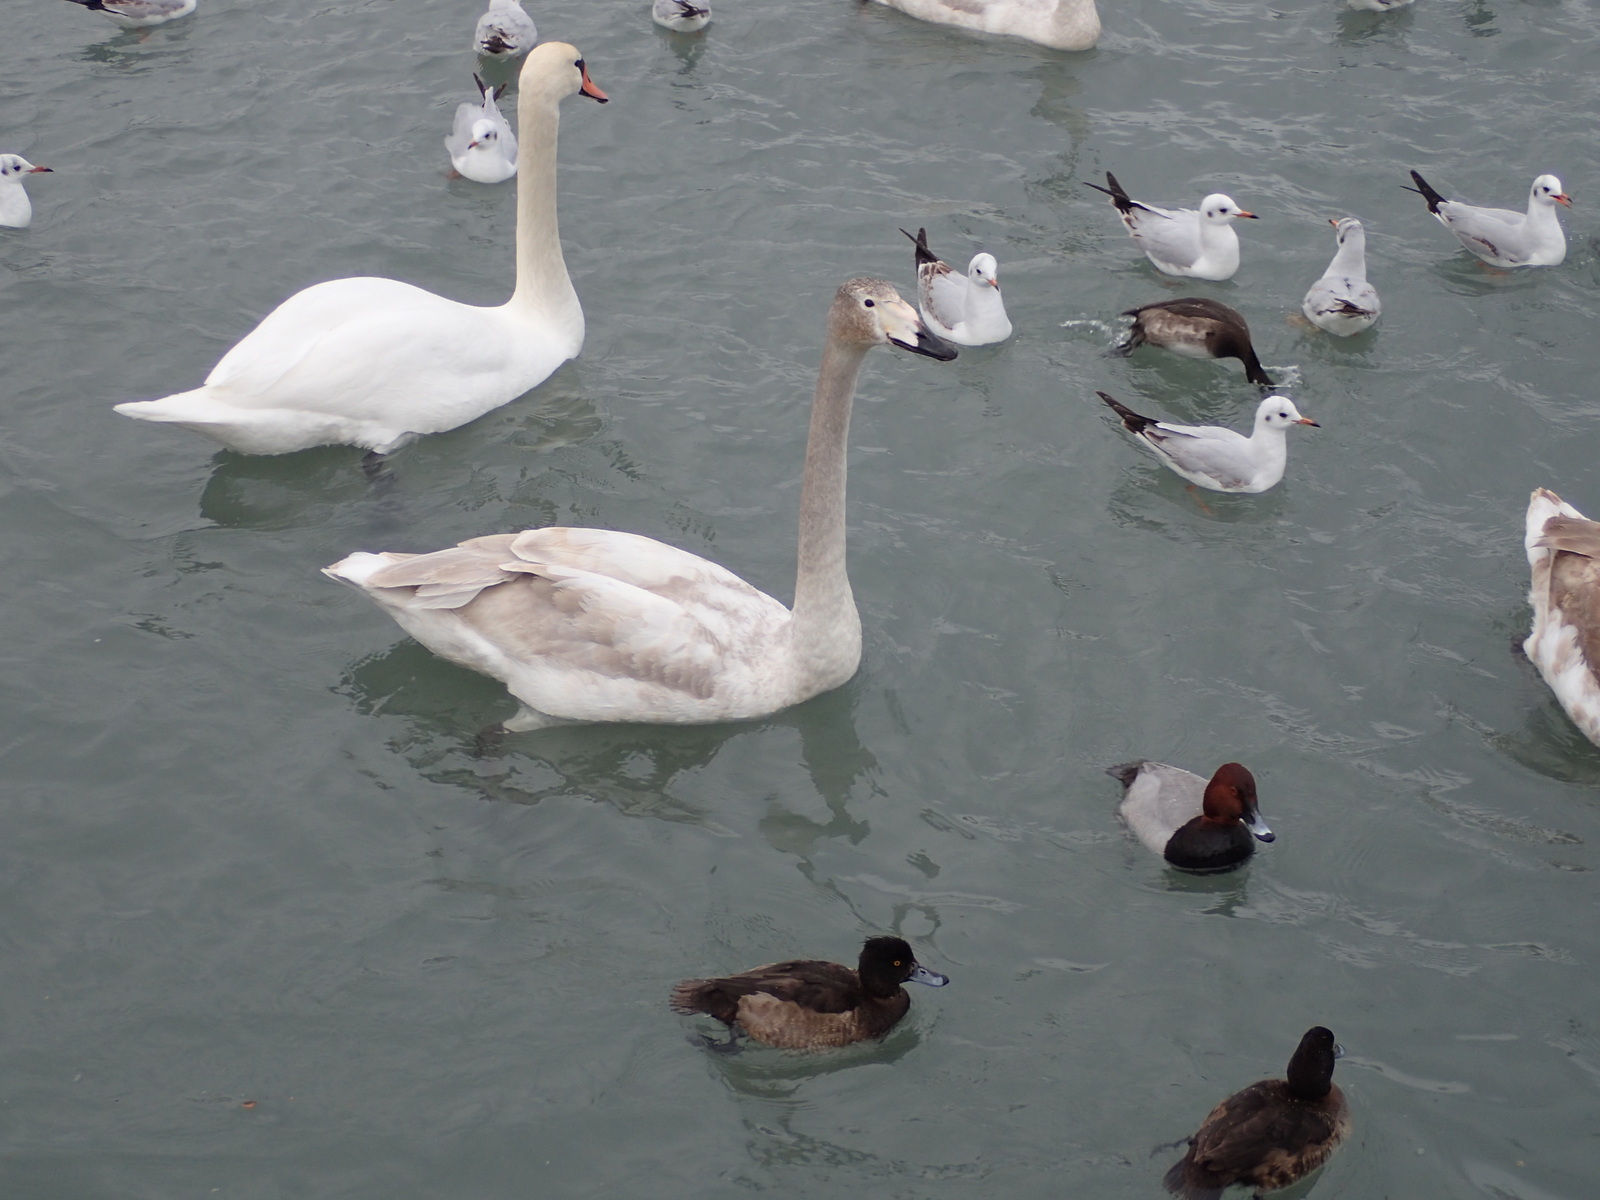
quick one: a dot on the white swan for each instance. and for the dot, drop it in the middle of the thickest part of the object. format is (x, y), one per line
(505, 31)
(16, 210)
(595, 625)
(373, 362)
(1059, 24)
(481, 146)
(1563, 549)
(1342, 301)
(966, 309)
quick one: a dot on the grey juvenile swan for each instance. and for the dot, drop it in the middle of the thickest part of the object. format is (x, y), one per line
(597, 625)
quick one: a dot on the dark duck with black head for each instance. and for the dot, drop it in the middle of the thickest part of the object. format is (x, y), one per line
(1194, 824)
(1271, 1134)
(1196, 327)
(807, 1004)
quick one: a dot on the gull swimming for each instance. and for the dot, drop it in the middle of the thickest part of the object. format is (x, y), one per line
(681, 16)
(133, 14)
(1199, 243)
(482, 147)
(1218, 458)
(965, 309)
(1501, 236)
(505, 31)
(1342, 301)
(16, 210)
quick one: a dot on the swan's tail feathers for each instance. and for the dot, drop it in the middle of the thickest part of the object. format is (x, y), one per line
(1425, 190)
(924, 255)
(181, 408)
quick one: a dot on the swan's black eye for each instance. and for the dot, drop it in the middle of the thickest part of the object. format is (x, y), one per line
(868, 303)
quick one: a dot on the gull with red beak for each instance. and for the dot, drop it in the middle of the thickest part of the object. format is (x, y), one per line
(16, 210)
(1218, 458)
(964, 309)
(1199, 243)
(481, 145)
(1501, 236)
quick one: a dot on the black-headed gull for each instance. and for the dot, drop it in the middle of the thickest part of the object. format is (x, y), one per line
(1342, 301)
(1378, 5)
(681, 16)
(505, 31)
(1059, 24)
(132, 14)
(1219, 458)
(16, 210)
(1182, 241)
(481, 145)
(1563, 549)
(1196, 327)
(1499, 236)
(1192, 823)
(965, 309)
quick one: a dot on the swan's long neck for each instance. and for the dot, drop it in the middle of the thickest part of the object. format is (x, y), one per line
(826, 627)
(543, 287)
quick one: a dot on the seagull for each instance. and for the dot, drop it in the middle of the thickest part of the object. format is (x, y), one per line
(1196, 327)
(505, 31)
(1499, 236)
(1342, 301)
(481, 145)
(965, 309)
(1219, 458)
(16, 210)
(680, 16)
(131, 14)
(1182, 241)
(1378, 5)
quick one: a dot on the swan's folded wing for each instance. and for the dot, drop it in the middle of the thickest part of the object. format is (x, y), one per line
(1576, 535)
(629, 557)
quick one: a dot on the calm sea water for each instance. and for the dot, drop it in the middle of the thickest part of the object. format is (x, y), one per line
(273, 925)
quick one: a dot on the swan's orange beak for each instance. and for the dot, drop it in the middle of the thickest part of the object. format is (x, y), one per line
(588, 89)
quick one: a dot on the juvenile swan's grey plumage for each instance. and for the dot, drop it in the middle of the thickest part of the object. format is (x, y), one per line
(1563, 549)
(595, 625)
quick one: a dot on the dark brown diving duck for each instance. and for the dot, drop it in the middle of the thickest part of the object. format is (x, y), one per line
(807, 1004)
(1271, 1134)
(1196, 327)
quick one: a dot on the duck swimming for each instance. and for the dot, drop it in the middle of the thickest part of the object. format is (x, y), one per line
(1271, 1134)
(1193, 824)
(808, 1004)
(1196, 327)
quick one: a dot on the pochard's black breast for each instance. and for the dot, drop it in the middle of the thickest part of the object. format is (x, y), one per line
(1207, 848)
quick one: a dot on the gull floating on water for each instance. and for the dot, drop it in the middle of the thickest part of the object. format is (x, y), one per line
(681, 16)
(1378, 5)
(1500, 236)
(1182, 241)
(1342, 301)
(132, 14)
(965, 309)
(1219, 458)
(1196, 327)
(16, 210)
(482, 147)
(505, 31)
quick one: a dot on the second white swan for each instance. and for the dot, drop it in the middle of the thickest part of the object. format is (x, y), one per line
(374, 362)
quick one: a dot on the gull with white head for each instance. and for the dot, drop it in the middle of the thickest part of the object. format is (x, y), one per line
(1217, 458)
(16, 210)
(1199, 243)
(1503, 237)
(1342, 301)
(481, 145)
(965, 309)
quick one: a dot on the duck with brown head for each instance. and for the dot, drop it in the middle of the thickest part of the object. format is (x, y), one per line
(1271, 1134)
(808, 1004)
(1192, 823)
